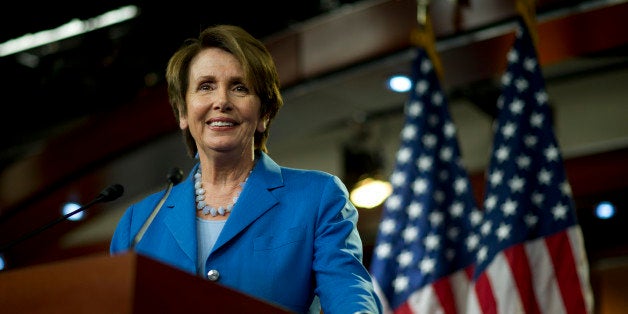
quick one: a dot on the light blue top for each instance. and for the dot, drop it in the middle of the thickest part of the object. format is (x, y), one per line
(207, 234)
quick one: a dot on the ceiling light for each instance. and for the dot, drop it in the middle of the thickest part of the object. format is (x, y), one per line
(605, 210)
(399, 83)
(73, 28)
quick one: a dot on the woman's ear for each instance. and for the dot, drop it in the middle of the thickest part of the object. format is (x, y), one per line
(262, 124)
(183, 121)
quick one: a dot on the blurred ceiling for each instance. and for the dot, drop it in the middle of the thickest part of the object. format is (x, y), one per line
(48, 87)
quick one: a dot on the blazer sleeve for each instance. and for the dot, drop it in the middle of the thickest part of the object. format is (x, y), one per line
(342, 282)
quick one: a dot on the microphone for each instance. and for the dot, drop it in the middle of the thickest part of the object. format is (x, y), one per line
(109, 194)
(174, 176)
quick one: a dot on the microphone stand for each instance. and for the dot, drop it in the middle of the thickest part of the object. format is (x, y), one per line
(174, 177)
(109, 194)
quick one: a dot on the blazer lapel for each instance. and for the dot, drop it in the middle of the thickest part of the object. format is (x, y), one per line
(255, 199)
(181, 215)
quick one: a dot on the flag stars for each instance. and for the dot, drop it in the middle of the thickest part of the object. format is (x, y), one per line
(429, 140)
(393, 203)
(559, 211)
(496, 177)
(453, 233)
(530, 140)
(419, 186)
(521, 84)
(431, 242)
(404, 155)
(502, 153)
(516, 184)
(439, 197)
(436, 218)
(424, 163)
(449, 129)
(446, 154)
(486, 228)
(506, 79)
(409, 132)
(426, 66)
(405, 258)
(541, 97)
(531, 220)
(538, 198)
(565, 188)
(421, 87)
(509, 207)
(400, 284)
(490, 202)
(410, 234)
(503, 231)
(513, 56)
(415, 109)
(427, 265)
(509, 130)
(388, 226)
(472, 242)
(529, 64)
(482, 254)
(437, 98)
(415, 210)
(516, 107)
(457, 209)
(545, 176)
(536, 120)
(398, 178)
(476, 217)
(523, 162)
(551, 153)
(460, 185)
(383, 250)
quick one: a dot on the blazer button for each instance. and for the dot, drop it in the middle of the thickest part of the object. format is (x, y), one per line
(213, 275)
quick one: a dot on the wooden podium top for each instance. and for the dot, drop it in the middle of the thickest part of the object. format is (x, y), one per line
(126, 283)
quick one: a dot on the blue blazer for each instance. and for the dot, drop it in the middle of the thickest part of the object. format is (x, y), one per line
(291, 235)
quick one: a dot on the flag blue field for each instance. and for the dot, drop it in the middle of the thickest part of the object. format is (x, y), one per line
(532, 257)
(426, 245)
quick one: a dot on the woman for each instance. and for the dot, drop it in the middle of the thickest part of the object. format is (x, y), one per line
(283, 235)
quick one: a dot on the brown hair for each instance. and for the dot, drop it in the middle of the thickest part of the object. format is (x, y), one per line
(257, 63)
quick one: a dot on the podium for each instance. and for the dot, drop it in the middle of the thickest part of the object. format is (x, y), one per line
(125, 283)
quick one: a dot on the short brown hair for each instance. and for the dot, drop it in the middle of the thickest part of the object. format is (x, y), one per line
(257, 63)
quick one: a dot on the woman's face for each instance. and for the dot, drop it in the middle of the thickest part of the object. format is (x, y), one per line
(223, 110)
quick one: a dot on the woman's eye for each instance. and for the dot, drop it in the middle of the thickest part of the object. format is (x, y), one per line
(241, 88)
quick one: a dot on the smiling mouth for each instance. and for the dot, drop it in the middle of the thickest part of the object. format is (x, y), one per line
(221, 123)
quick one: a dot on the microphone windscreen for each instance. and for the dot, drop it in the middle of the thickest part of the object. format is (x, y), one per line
(175, 175)
(111, 193)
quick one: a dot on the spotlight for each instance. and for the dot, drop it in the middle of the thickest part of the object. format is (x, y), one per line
(605, 210)
(70, 207)
(370, 192)
(363, 167)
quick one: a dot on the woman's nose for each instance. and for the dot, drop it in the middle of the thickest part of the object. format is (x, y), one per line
(221, 101)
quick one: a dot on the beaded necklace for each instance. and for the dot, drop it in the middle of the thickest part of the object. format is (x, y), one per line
(202, 205)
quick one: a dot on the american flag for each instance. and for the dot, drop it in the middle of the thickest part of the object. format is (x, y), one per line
(422, 261)
(532, 257)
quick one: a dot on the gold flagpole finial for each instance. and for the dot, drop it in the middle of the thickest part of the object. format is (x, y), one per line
(527, 10)
(423, 36)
